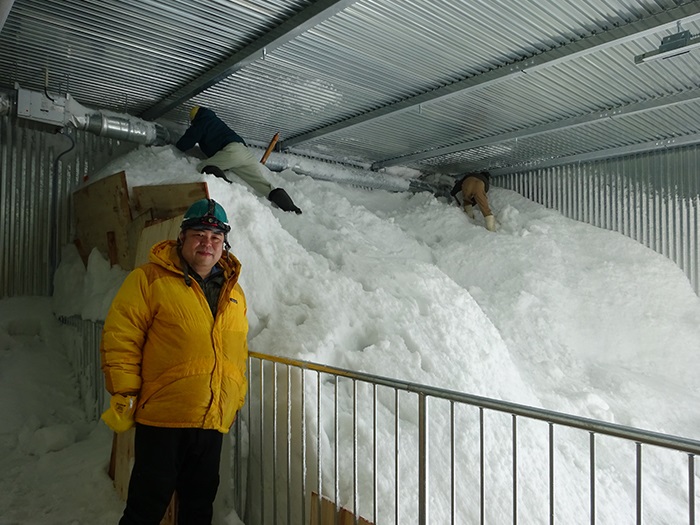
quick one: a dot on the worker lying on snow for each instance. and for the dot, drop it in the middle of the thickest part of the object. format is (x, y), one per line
(226, 150)
(474, 187)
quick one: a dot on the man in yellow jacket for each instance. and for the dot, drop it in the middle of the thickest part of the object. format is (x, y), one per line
(174, 353)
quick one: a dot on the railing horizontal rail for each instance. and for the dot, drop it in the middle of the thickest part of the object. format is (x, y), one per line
(681, 444)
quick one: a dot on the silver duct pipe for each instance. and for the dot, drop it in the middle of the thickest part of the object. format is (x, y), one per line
(63, 111)
(114, 125)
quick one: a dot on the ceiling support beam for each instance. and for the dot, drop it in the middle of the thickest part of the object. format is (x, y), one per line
(5, 8)
(280, 35)
(623, 111)
(632, 31)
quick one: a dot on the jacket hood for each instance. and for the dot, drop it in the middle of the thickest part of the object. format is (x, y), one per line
(165, 254)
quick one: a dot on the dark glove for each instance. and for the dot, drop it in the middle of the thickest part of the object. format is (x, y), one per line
(283, 200)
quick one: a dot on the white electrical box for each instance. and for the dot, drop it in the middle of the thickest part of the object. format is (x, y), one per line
(37, 106)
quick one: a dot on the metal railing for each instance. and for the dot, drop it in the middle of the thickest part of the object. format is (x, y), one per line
(314, 441)
(313, 437)
(82, 342)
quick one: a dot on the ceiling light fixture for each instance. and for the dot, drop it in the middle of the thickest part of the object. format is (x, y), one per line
(671, 46)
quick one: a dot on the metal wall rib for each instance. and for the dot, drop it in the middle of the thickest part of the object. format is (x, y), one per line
(652, 198)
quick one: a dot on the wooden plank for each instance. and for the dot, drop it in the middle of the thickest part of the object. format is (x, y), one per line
(134, 234)
(150, 235)
(168, 200)
(328, 513)
(84, 255)
(101, 207)
(124, 461)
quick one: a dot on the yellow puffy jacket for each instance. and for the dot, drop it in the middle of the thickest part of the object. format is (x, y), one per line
(161, 342)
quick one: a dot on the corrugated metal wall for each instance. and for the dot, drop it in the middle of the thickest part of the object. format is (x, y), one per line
(27, 158)
(652, 198)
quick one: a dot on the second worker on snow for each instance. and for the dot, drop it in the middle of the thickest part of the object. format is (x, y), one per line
(226, 150)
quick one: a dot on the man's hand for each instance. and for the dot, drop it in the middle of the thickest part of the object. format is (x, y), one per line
(120, 414)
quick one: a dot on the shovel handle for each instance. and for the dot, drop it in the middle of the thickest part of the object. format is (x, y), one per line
(270, 147)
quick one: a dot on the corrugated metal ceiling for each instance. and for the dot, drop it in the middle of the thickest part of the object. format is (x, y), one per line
(443, 86)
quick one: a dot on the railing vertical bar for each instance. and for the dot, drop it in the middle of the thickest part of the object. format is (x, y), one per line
(423, 481)
(639, 483)
(354, 449)
(515, 468)
(247, 407)
(374, 453)
(551, 473)
(591, 459)
(482, 489)
(303, 445)
(336, 487)
(274, 442)
(396, 457)
(238, 470)
(289, 445)
(453, 480)
(262, 445)
(691, 489)
(318, 444)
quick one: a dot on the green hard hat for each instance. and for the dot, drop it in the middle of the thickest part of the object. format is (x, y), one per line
(206, 214)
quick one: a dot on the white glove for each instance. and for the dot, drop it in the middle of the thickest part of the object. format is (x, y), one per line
(490, 223)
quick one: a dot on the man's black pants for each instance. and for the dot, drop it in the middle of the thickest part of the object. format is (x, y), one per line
(185, 460)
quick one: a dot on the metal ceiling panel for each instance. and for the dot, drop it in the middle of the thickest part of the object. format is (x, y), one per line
(442, 86)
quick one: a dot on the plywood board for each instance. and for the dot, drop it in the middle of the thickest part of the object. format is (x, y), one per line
(155, 233)
(134, 235)
(168, 200)
(102, 207)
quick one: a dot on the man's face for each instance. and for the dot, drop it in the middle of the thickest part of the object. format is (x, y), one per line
(202, 249)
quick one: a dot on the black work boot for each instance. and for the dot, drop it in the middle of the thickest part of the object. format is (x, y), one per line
(216, 171)
(283, 200)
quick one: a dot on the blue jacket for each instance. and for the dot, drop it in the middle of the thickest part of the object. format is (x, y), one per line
(209, 131)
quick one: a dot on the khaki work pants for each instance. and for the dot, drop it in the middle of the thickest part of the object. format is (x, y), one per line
(239, 159)
(473, 189)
